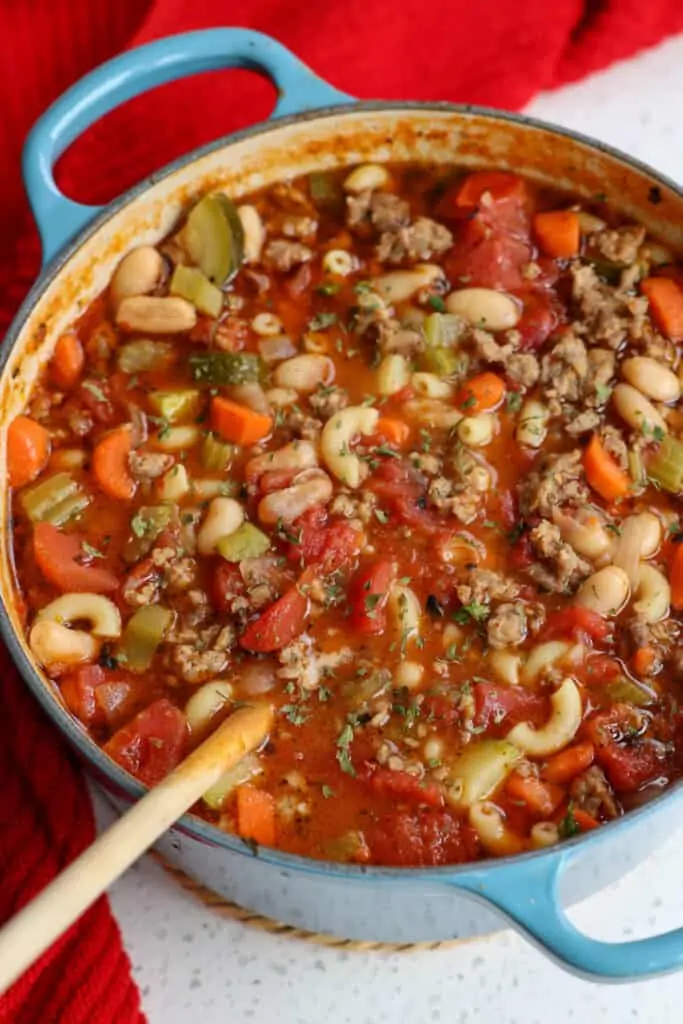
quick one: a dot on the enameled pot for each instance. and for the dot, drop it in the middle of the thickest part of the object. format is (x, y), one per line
(314, 126)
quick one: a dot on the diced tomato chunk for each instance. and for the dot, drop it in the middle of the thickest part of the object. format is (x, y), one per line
(226, 585)
(332, 546)
(78, 690)
(152, 744)
(541, 315)
(486, 255)
(63, 560)
(629, 757)
(439, 708)
(403, 786)
(577, 623)
(422, 837)
(279, 624)
(496, 704)
(368, 594)
(96, 397)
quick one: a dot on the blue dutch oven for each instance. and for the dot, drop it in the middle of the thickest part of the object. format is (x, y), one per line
(314, 126)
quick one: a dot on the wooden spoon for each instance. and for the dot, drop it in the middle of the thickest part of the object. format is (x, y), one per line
(30, 932)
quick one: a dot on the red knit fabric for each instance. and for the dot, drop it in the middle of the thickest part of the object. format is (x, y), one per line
(492, 52)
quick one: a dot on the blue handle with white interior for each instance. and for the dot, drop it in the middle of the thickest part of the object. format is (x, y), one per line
(59, 219)
(527, 893)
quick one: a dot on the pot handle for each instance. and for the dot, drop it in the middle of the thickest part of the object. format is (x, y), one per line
(527, 893)
(134, 72)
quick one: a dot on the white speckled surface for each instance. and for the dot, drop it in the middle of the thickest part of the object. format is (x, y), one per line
(193, 965)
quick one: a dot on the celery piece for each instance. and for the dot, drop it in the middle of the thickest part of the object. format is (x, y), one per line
(480, 770)
(666, 467)
(325, 189)
(216, 454)
(608, 270)
(225, 368)
(143, 354)
(174, 406)
(349, 846)
(143, 635)
(244, 770)
(189, 283)
(40, 499)
(246, 542)
(624, 690)
(67, 509)
(214, 238)
(446, 362)
(443, 330)
(146, 525)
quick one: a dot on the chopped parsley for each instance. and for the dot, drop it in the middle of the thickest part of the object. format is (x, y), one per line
(327, 792)
(516, 532)
(513, 401)
(90, 551)
(94, 390)
(569, 826)
(344, 741)
(381, 516)
(324, 694)
(297, 714)
(328, 288)
(473, 610)
(322, 320)
(362, 287)
(437, 303)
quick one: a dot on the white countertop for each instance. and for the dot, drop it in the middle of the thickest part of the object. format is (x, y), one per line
(193, 965)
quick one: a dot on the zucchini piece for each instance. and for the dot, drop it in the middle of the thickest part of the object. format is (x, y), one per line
(216, 454)
(68, 509)
(443, 330)
(214, 238)
(244, 770)
(246, 542)
(146, 525)
(220, 369)
(666, 466)
(480, 771)
(38, 501)
(189, 283)
(174, 406)
(325, 189)
(143, 634)
(624, 690)
(446, 362)
(143, 354)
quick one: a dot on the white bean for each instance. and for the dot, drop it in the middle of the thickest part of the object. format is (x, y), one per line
(338, 434)
(339, 262)
(366, 178)
(605, 592)
(653, 594)
(532, 425)
(68, 458)
(149, 314)
(254, 232)
(408, 674)
(267, 325)
(296, 455)
(138, 273)
(405, 610)
(304, 373)
(223, 517)
(56, 647)
(431, 385)
(651, 378)
(586, 533)
(176, 439)
(98, 611)
(485, 307)
(174, 485)
(205, 703)
(635, 409)
(280, 398)
(477, 431)
(401, 285)
(311, 488)
(393, 374)
(430, 412)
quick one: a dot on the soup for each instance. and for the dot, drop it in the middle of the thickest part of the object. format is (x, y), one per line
(396, 450)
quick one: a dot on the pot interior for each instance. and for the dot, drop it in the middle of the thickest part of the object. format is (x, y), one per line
(435, 134)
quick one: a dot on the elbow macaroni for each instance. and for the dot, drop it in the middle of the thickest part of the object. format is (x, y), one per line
(561, 727)
(338, 434)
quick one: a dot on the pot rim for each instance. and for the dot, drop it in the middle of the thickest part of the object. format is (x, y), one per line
(68, 726)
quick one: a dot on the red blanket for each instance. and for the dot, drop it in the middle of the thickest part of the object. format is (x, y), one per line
(494, 52)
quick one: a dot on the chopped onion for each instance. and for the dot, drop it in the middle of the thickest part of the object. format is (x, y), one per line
(274, 349)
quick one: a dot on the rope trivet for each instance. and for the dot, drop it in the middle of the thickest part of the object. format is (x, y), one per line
(226, 908)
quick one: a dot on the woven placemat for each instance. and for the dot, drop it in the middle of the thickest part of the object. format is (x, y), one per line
(226, 908)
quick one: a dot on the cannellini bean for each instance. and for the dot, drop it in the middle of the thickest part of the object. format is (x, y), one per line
(254, 232)
(393, 374)
(635, 409)
(430, 412)
(176, 439)
(532, 425)
(150, 314)
(295, 455)
(656, 254)
(505, 665)
(304, 373)
(649, 532)
(641, 536)
(207, 488)
(338, 434)
(433, 749)
(267, 325)
(56, 647)
(339, 262)
(138, 273)
(605, 592)
(174, 485)
(431, 385)
(653, 594)
(408, 674)
(401, 285)
(223, 517)
(586, 533)
(366, 178)
(98, 611)
(405, 610)
(651, 378)
(310, 488)
(561, 727)
(485, 307)
(205, 703)
(252, 395)
(477, 431)
(280, 398)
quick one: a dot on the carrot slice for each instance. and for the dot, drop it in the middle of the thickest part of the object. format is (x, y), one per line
(563, 767)
(676, 578)
(110, 463)
(481, 394)
(558, 233)
(28, 450)
(500, 184)
(393, 430)
(603, 473)
(68, 360)
(237, 423)
(541, 797)
(256, 815)
(584, 820)
(666, 305)
(643, 660)
(60, 558)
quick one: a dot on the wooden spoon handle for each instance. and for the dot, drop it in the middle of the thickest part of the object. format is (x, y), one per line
(30, 932)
